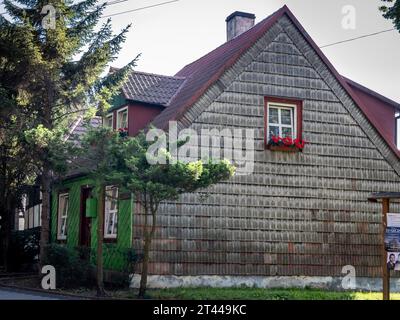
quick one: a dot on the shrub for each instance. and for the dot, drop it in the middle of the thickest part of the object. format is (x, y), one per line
(73, 267)
(23, 250)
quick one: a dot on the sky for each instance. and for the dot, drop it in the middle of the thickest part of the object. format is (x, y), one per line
(175, 34)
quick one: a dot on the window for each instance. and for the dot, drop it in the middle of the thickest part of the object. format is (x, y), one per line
(63, 201)
(111, 212)
(122, 118)
(283, 118)
(397, 129)
(108, 121)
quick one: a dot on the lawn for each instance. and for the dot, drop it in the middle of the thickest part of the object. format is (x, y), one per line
(206, 293)
(263, 294)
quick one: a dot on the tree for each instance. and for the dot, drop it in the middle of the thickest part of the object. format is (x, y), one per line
(392, 12)
(154, 181)
(97, 157)
(62, 60)
(16, 159)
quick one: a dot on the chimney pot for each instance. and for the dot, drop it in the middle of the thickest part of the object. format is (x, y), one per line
(238, 22)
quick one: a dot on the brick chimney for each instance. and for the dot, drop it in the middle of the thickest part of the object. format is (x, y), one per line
(237, 23)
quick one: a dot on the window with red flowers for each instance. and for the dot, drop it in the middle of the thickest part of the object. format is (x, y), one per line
(283, 124)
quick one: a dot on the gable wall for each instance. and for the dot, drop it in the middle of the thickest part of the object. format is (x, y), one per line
(298, 213)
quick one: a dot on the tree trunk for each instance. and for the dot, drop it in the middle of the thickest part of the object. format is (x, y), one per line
(147, 244)
(7, 225)
(5, 237)
(100, 235)
(45, 215)
(145, 266)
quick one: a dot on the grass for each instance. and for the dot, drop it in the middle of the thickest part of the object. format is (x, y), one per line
(263, 294)
(207, 293)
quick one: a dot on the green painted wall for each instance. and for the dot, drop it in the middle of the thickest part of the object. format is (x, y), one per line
(117, 101)
(115, 253)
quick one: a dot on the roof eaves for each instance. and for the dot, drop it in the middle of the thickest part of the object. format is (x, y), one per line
(372, 93)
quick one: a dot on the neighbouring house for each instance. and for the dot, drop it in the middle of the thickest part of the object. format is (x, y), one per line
(300, 216)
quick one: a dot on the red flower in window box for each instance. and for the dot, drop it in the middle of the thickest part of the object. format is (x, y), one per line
(276, 139)
(299, 143)
(123, 132)
(287, 141)
(285, 144)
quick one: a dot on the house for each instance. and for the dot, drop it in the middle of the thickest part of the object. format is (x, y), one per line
(299, 217)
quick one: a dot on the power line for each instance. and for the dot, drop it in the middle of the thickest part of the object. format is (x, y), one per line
(120, 1)
(142, 8)
(357, 38)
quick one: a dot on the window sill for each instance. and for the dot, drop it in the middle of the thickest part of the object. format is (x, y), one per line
(283, 148)
(109, 240)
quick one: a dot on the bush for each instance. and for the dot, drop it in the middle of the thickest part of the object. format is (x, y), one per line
(23, 250)
(73, 267)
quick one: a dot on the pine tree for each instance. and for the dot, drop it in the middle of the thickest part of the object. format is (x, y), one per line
(16, 159)
(62, 60)
(392, 12)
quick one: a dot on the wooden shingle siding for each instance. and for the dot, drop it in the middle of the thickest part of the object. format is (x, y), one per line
(298, 213)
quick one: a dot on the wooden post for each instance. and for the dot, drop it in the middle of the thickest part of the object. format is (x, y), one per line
(385, 271)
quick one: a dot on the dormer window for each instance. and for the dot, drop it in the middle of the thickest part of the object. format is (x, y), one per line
(283, 119)
(108, 120)
(122, 118)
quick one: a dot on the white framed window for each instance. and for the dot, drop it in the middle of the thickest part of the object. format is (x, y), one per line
(63, 202)
(122, 118)
(111, 212)
(281, 120)
(108, 120)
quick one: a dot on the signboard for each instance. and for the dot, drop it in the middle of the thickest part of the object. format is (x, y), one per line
(392, 241)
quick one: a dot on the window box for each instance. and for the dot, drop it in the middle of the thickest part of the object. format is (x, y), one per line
(283, 148)
(287, 144)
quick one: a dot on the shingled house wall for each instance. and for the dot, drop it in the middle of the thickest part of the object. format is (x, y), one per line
(300, 213)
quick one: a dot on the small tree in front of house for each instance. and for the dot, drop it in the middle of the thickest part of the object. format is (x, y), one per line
(157, 182)
(97, 157)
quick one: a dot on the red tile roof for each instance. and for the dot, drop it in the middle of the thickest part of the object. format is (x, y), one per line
(378, 109)
(151, 88)
(204, 72)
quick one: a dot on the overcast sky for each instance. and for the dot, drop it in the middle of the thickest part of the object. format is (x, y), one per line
(175, 34)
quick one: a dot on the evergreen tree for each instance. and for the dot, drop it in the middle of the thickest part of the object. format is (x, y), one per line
(391, 11)
(62, 60)
(17, 166)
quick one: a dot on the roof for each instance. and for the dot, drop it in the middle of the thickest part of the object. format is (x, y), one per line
(204, 72)
(360, 88)
(79, 128)
(377, 108)
(151, 88)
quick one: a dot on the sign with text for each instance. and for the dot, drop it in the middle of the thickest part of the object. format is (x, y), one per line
(392, 241)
